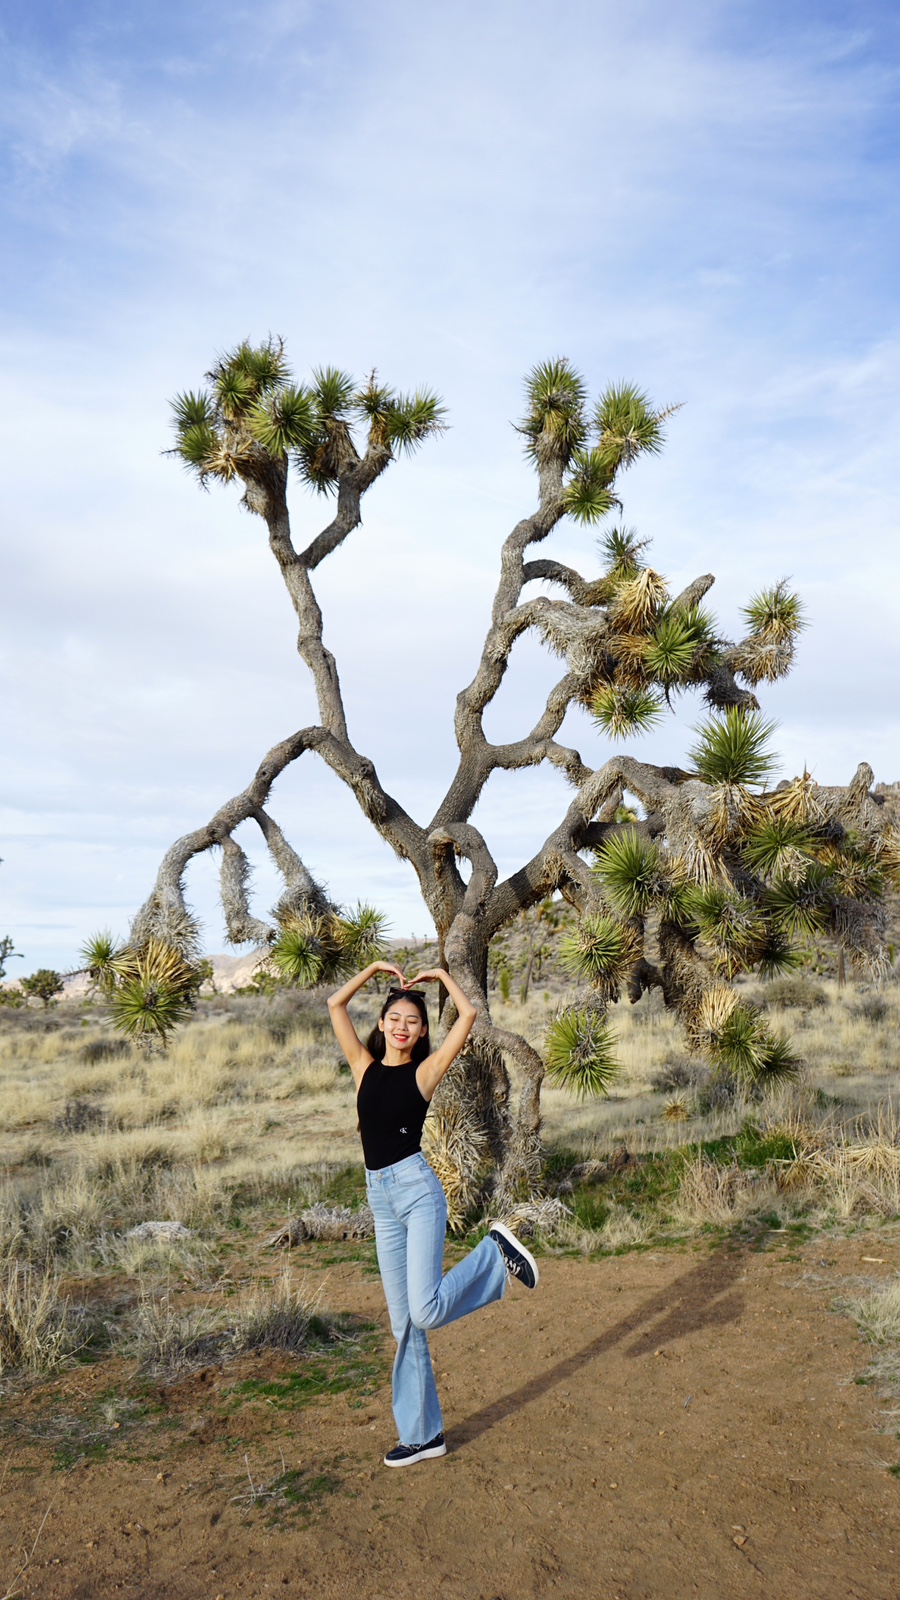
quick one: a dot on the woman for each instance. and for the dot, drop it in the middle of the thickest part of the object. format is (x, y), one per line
(396, 1073)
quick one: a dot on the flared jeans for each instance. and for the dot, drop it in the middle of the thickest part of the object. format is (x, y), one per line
(410, 1214)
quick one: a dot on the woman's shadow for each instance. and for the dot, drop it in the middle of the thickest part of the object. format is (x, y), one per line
(698, 1299)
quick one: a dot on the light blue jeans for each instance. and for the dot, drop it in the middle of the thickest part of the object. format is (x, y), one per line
(410, 1222)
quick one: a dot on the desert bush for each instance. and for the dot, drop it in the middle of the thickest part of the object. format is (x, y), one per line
(104, 1050)
(677, 1074)
(793, 992)
(167, 1340)
(877, 1313)
(78, 1116)
(871, 1008)
(274, 1315)
(712, 1194)
(38, 1328)
(849, 1171)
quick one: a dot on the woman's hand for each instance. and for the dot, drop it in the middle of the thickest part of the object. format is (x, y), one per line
(387, 966)
(433, 975)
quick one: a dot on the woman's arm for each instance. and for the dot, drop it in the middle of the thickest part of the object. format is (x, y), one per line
(430, 1071)
(347, 1037)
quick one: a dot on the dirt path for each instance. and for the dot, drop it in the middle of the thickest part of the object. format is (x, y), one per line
(643, 1428)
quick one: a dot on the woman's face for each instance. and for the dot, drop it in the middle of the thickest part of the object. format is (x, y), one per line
(402, 1026)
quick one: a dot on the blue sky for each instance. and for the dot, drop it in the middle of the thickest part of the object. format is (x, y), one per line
(702, 198)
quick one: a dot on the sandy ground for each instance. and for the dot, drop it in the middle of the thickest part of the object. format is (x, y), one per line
(659, 1425)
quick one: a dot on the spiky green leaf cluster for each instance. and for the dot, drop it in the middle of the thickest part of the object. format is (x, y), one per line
(314, 947)
(601, 951)
(738, 1041)
(777, 846)
(587, 495)
(99, 955)
(627, 425)
(620, 549)
(800, 906)
(732, 924)
(580, 1053)
(734, 748)
(145, 1008)
(554, 424)
(776, 955)
(153, 990)
(630, 869)
(775, 614)
(364, 935)
(681, 646)
(621, 711)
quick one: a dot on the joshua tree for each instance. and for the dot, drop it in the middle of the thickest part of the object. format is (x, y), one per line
(712, 876)
(8, 952)
(43, 985)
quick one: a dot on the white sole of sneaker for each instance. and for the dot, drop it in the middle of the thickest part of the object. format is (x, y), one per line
(421, 1455)
(500, 1227)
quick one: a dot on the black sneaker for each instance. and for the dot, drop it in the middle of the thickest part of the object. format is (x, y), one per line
(519, 1262)
(404, 1455)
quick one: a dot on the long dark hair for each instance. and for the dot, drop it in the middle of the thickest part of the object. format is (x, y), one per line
(375, 1044)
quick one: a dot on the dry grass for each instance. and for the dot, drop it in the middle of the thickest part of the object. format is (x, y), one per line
(248, 1112)
(275, 1315)
(38, 1329)
(877, 1313)
(718, 1196)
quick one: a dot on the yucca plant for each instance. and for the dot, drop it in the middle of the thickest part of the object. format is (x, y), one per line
(777, 846)
(776, 955)
(732, 924)
(775, 614)
(310, 949)
(628, 425)
(734, 748)
(800, 906)
(620, 550)
(153, 991)
(620, 712)
(147, 1008)
(777, 1061)
(630, 869)
(364, 935)
(555, 425)
(638, 602)
(678, 639)
(601, 952)
(98, 957)
(580, 1053)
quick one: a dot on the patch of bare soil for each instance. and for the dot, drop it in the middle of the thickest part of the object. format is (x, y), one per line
(667, 1424)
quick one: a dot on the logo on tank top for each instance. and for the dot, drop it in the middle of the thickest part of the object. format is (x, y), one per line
(404, 1130)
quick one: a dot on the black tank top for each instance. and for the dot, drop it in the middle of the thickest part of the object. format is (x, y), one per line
(392, 1110)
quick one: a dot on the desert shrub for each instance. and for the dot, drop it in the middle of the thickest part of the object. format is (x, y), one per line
(678, 1074)
(38, 1328)
(168, 1341)
(78, 1116)
(713, 1194)
(96, 1050)
(871, 1008)
(793, 992)
(877, 1313)
(274, 1315)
